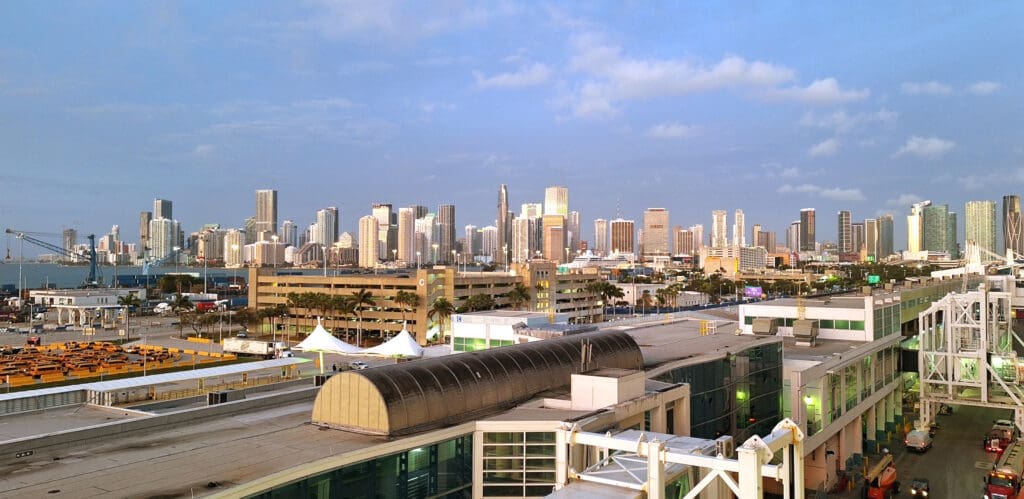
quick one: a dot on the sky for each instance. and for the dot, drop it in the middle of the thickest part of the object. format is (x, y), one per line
(768, 107)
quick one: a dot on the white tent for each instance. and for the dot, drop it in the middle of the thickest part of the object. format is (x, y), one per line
(402, 345)
(321, 341)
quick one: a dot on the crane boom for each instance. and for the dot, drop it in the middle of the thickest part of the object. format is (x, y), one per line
(25, 236)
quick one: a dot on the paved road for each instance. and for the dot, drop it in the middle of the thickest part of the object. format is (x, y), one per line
(956, 463)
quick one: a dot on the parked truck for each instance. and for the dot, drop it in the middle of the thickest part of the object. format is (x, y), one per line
(1004, 481)
(1003, 432)
(265, 349)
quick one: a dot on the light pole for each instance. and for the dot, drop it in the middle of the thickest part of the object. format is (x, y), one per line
(234, 267)
(174, 255)
(566, 254)
(455, 261)
(206, 277)
(417, 260)
(394, 256)
(325, 259)
(434, 246)
(504, 255)
(274, 249)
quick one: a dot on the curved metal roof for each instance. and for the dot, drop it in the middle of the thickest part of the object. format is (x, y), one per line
(415, 396)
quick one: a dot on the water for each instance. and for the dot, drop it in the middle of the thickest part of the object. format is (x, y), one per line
(38, 275)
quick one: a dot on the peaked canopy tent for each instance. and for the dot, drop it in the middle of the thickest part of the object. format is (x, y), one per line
(402, 345)
(321, 341)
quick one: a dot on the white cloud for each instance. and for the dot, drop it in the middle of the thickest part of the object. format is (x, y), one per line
(842, 122)
(430, 107)
(904, 200)
(791, 172)
(391, 20)
(671, 131)
(831, 193)
(925, 147)
(204, 150)
(925, 88)
(823, 91)
(984, 88)
(527, 75)
(827, 147)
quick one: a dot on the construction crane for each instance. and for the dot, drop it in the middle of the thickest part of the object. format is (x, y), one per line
(28, 236)
(156, 262)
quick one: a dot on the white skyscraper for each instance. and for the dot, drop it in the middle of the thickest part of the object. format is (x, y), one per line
(326, 226)
(489, 239)
(980, 225)
(524, 239)
(556, 201)
(739, 230)
(289, 233)
(234, 243)
(266, 211)
(601, 236)
(656, 232)
(698, 237)
(406, 235)
(531, 210)
(163, 234)
(368, 238)
(719, 228)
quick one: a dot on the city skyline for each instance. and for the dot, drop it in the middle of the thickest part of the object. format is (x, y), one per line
(687, 107)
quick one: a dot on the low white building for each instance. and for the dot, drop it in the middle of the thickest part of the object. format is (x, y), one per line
(83, 306)
(498, 328)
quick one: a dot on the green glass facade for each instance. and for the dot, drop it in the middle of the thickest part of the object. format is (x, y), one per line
(442, 470)
(740, 395)
(460, 344)
(518, 464)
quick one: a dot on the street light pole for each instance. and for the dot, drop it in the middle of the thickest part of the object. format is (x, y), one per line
(325, 259)
(417, 260)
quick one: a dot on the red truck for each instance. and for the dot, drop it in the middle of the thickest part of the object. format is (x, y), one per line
(1004, 481)
(1003, 432)
(206, 306)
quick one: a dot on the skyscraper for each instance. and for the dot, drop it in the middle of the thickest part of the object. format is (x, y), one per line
(844, 237)
(856, 237)
(698, 237)
(554, 242)
(162, 209)
(572, 224)
(601, 236)
(144, 218)
(766, 240)
(369, 237)
(885, 236)
(793, 236)
(163, 234)
(290, 233)
(70, 238)
(1013, 229)
(446, 229)
(234, 244)
(656, 236)
(915, 226)
(682, 243)
(387, 230)
(980, 224)
(622, 236)
(524, 238)
(937, 223)
(406, 235)
(531, 210)
(739, 229)
(755, 235)
(719, 237)
(503, 227)
(807, 230)
(556, 201)
(872, 239)
(326, 226)
(489, 241)
(474, 244)
(266, 211)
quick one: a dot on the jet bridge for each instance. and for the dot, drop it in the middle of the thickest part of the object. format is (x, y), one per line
(967, 354)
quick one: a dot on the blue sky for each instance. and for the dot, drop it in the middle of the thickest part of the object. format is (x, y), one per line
(693, 106)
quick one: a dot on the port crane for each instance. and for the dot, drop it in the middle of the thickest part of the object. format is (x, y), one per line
(28, 236)
(156, 262)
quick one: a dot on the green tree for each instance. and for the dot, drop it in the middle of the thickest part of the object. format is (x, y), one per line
(479, 302)
(611, 292)
(443, 310)
(361, 299)
(519, 296)
(246, 317)
(128, 302)
(345, 307)
(181, 305)
(594, 291)
(407, 300)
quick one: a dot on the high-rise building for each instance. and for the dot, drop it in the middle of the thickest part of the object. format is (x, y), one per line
(980, 224)
(290, 233)
(556, 201)
(387, 231)
(601, 236)
(698, 237)
(69, 238)
(163, 234)
(766, 240)
(427, 238)
(554, 242)
(446, 229)
(1013, 229)
(871, 239)
(755, 235)
(266, 211)
(793, 236)
(162, 209)
(844, 237)
(473, 242)
(739, 229)
(326, 232)
(573, 225)
(808, 240)
(369, 231)
(489, 241)
(531, 210)
(915, 226)
(885, 236)
(406, 235)
(857, 237)
(249, 226)
(719, 237)
(234, 244)
(524, 239)
(504, 228)
(682, 242)
(144, 218)
(656, 235)
(936, 234)
(622, 236)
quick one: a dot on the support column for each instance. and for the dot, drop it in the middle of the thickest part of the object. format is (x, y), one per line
(659, 419)
(561, 460)
(868, 430)
(880, 435)
(655, 470)
(681, 416)
(750, 473)
(890, 412)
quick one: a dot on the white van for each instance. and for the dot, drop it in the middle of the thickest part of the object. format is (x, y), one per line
(918, 440)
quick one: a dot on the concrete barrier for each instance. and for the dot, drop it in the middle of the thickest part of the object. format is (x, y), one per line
(60, 442)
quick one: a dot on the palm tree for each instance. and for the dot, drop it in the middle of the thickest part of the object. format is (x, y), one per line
(407, 299)
(594, 290)
(180, 305)
(442, 309)
(519, 296)
(346, 307)
(129, 302)
(361, 299)
(479, 302)
(661, 296)
(610, 291)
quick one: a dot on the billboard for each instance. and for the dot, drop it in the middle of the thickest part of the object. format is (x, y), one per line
(752, 291)
(873, 279)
